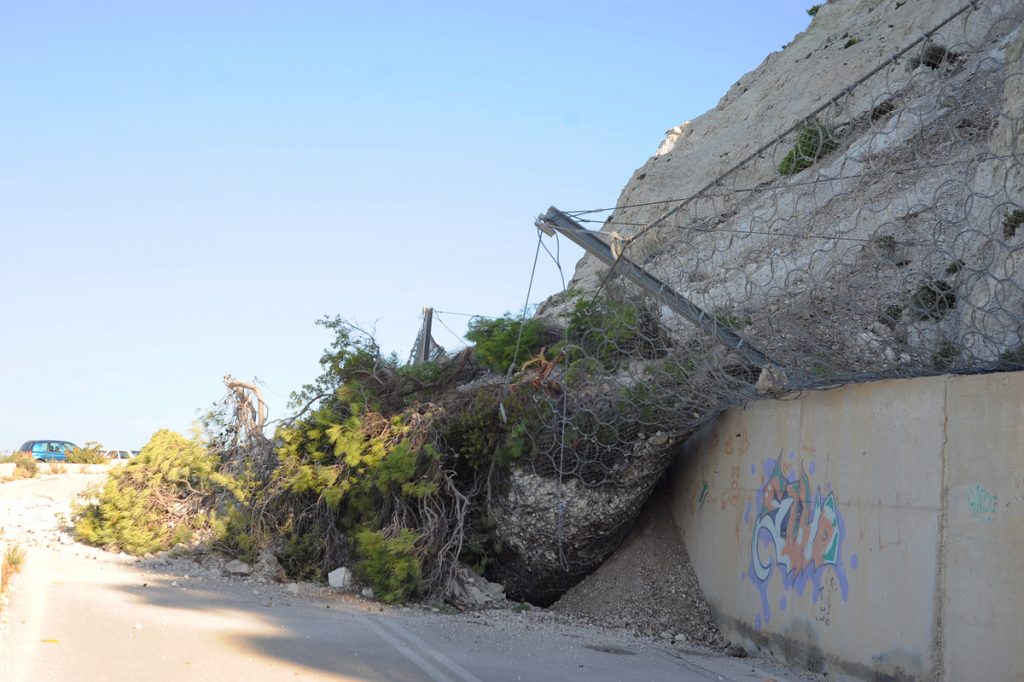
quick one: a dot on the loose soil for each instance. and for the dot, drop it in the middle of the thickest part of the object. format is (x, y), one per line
(648, 585)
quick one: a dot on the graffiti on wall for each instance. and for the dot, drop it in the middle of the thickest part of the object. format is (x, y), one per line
(982, 503)
(797, 532)
(733, 495)
(705, 494)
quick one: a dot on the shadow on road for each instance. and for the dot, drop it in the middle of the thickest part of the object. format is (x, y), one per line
(326, 637)
(340, 638)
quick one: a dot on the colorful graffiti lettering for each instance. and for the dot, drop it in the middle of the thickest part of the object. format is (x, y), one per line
(804, 535)
(797, 530)
(982, 503)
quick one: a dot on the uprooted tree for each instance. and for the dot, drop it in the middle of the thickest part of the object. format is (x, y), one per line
(530, 476)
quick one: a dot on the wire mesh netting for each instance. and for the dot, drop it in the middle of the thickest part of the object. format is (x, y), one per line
(882, 235)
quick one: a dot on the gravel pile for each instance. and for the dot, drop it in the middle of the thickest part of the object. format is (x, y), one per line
(648, 586)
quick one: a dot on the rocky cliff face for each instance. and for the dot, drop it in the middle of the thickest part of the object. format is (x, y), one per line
(896, 251)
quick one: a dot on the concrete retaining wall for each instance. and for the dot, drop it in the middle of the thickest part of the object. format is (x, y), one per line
(873, 531)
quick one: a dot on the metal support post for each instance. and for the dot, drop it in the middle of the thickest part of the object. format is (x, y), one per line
(425, 341)
(556, 220)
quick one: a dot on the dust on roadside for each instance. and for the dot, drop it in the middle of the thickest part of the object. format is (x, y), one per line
(36, 512)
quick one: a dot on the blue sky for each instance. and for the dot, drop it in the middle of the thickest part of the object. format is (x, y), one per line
(186, 187)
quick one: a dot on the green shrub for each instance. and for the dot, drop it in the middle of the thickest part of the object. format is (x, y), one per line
(14, 557)
(422, 373)
(495, 341)
(610, 330)
(352, 362)
(156, 500)
(732, 320)
(91, 453)
(474, 430)
(342, 475)
(955, 267)
(304, 556)
(12, 560)
(886, 243)
(581, 371)
(24, 465)
(1012, 358)
(232, 532)
(814, 141)
(823, 365)
(1011, 221)
(946, 355)
(478, 438)
(390, 565)
(647, 404)
(933, 300)
(813, 10)
(370, 458)
(654, 401)
(890, 315)
(373, 473)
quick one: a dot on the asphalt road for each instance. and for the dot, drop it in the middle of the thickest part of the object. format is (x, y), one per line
(77, 613)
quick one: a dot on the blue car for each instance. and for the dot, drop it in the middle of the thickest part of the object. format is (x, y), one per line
(48, 450)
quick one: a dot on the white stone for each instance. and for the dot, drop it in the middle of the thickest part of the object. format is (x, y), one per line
(236, 567)
(340, 578)
(473, 591)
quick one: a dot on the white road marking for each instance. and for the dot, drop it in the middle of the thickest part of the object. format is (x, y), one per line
(401, 648)
(459, 671)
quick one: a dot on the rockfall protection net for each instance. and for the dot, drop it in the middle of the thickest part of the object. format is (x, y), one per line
(881, 236)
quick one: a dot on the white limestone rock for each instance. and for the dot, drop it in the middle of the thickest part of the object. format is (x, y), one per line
(340, 578)
(236, 567)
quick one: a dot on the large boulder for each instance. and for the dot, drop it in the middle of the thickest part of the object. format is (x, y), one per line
(556, 530)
